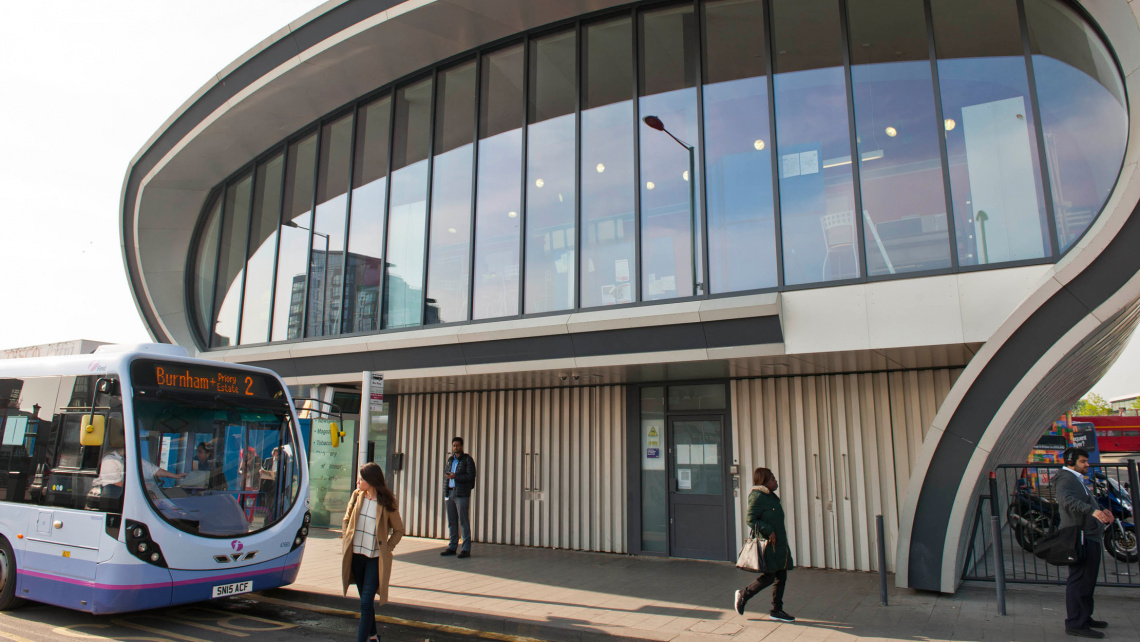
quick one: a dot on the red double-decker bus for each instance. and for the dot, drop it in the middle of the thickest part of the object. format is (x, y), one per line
(1115, 434)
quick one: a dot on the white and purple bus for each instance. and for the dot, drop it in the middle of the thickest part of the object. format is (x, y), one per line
(136, 478)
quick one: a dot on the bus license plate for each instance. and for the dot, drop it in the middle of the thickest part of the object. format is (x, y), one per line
(223, 590)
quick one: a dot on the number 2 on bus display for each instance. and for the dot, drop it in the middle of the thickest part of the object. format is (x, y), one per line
(249, 386)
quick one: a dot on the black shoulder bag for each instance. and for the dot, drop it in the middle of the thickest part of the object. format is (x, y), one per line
(1063, 547)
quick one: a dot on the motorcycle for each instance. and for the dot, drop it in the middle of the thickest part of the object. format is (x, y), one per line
(1032, 517)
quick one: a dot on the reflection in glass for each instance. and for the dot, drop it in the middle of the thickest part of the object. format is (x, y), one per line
(498, 192)
(654, 497)
(995, 179)
(366, 224)
(608, 260)
(296, 220)
(905, 228)
(449, 245)
(327, 259)
(204, 265)
(1082, 114)
(407, 213)
(231, 262)
(262, 250)
(667, 89)
(550, 185)
(738, 150)
(817, 198)
(697, 397)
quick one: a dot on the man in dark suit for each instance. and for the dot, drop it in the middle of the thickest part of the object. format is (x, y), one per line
(1080, 508)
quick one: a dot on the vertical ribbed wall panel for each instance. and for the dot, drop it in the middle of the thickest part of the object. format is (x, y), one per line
(842, 447)
(552, 464)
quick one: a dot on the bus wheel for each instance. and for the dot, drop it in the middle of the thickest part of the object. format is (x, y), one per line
(8, 599)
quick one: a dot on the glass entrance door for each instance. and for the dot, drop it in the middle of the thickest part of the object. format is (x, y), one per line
(698, 527)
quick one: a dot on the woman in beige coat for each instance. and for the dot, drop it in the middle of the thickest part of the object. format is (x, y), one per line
(372, 528)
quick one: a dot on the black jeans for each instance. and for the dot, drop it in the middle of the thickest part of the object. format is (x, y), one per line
(366, 572)
(780, 578)
(1080, 585)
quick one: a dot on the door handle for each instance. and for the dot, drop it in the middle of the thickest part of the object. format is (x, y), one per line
(818, 476)
(526, 471)
(536, 469)
(846, 478)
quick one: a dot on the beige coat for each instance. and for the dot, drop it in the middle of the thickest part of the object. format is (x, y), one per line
(386, 521)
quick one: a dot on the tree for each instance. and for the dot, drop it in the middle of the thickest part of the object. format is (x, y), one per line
(1091, 405)
(1135, 404)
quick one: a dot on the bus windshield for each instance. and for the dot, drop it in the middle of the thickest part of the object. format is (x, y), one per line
(216, 465)
(216, 471)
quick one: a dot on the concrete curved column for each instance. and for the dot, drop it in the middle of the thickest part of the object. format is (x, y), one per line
(1047, 354)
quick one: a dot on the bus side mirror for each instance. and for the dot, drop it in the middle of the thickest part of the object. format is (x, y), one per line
(334, 430)
(93, 429)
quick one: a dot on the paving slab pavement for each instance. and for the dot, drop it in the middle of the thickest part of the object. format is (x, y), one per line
(568, 595)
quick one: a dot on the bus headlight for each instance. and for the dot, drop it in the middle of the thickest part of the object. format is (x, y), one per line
(141, 546)
(302, 532)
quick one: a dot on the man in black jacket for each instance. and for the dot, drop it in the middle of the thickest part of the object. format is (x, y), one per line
(459, 481)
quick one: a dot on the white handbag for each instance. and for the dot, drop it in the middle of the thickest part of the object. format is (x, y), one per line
(751, 557)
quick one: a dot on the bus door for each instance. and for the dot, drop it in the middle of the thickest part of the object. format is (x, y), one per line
(63, 538)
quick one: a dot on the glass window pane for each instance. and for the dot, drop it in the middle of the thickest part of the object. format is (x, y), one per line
(668, 91)
(905, 227)
(262, 250)
(366, 224)
(498, 192)
(551, 260)
(449, 240)
(407, 218)
(205, 263)
(231, 263)
(817, 199)
(697, 397)
(327, 259)
(738, 150)
(654, 499)
(995, 179)
(608, 260)
(293, 252)
(1082, 114)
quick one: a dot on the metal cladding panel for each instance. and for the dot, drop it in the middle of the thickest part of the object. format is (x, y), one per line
(842, 447)
(551, 465)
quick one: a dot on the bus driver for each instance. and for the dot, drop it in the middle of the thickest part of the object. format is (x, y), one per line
(112, 468)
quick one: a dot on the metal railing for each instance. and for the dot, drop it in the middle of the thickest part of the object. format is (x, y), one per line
(1021, 499)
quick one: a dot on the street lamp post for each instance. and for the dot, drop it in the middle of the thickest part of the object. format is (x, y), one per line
(655, 123)
(326, 275)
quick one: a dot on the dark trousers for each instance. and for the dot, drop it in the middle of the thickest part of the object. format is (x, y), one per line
(458, 518)
(1079, 588)
(780, 578)
(366, 572)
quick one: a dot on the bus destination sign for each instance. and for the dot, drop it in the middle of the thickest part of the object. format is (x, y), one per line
(182, 377)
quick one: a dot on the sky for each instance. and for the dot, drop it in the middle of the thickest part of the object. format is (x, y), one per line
(85, 85)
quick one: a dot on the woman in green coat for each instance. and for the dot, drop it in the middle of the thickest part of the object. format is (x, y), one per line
(766, 517)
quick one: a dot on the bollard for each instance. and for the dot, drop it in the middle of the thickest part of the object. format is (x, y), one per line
(999, 564)
(882, 560)
(993, 494)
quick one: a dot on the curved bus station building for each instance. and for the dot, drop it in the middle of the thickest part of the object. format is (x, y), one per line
(631, 251)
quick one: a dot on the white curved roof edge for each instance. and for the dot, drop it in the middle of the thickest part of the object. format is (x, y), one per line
(164, 349)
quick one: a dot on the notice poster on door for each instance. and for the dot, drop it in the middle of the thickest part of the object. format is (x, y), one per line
(710, 455)
(684, 457)
(684, 479)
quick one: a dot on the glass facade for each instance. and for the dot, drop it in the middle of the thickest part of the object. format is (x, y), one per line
(774, 144)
